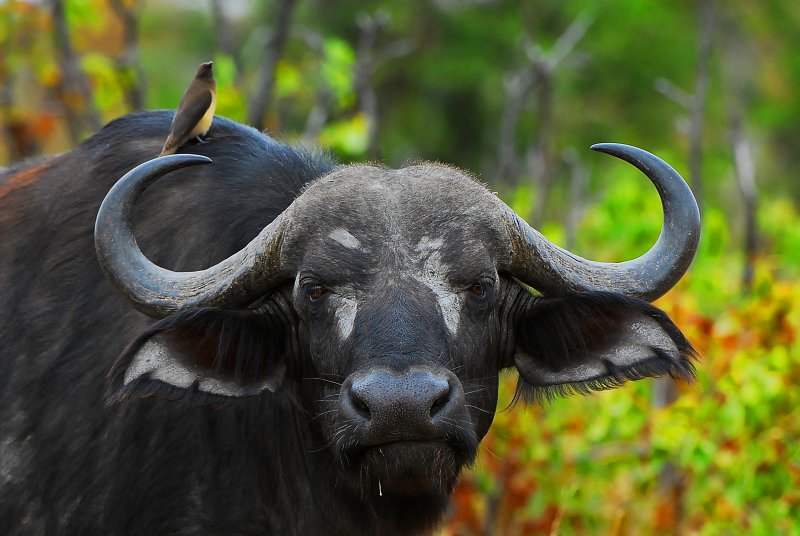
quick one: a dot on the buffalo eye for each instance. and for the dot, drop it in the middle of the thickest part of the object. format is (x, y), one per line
(480, 288)
(316, 292)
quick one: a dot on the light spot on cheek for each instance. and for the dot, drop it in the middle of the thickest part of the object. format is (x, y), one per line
(346, 316)
(434, 276)
(450, 303)
(296, 285)
(343, 237)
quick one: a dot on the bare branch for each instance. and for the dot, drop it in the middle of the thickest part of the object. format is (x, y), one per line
(569, 40)
(395, 49)
(674, 93)
(706, 25)
(738, 64)
(536, 77)
(517, 86)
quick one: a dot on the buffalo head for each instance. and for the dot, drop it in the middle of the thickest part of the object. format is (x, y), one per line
(385, 303)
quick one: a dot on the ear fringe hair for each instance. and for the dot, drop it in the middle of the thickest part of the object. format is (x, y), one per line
(661, 364)
(571, 325)
(155, 389)
(193, 397)
(560, 338)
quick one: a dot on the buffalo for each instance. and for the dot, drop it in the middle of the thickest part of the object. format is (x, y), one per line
(254, 339)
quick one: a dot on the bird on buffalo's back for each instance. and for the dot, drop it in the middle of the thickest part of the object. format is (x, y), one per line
(195, 112)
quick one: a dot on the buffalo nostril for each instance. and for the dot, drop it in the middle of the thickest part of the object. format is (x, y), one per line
(440, 402)
(360, 406)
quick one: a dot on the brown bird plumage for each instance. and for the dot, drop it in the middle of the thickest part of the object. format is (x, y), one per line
(195, 111)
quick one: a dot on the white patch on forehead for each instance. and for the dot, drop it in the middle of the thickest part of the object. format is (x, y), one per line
(433, 274)
(429, 245)
(343, 237)
(346, 316)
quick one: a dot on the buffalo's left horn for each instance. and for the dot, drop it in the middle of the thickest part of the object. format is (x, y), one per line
(159, 292)
(553, 270)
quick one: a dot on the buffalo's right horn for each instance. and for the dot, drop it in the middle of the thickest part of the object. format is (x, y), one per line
(553, 270)
(158, 292)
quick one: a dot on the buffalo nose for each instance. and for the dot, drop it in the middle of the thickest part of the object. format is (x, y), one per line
(395, 406)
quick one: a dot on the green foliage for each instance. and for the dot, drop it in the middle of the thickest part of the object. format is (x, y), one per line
(781, 234)
(231, 102)
(337, 72)
(347, 138)
(107, 84)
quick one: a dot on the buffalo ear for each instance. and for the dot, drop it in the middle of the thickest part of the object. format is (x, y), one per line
(595, 341)
(202, 355)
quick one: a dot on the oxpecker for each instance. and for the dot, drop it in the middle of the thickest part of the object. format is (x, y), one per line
(195, 111)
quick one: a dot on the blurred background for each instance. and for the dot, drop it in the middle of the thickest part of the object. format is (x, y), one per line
(515, 92)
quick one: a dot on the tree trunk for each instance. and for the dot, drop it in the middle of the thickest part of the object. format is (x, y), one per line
(75, 93)
(369, 29)
(128, 63)
(738, 81)
(746, 178)
(262, 98)
(700, 97)
(226, 41)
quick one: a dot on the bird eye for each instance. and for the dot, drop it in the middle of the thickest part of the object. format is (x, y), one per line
(316, 292)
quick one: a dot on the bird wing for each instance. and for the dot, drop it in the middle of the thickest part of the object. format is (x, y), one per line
(189, 115)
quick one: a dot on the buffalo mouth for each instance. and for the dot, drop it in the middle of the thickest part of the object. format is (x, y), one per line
(405, 485)
(408, 468)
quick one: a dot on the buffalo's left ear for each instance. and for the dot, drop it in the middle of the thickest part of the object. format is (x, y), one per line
(202, 355)
(594, 341)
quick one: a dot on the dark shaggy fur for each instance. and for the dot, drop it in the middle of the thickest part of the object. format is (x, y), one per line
(71, 464)
(84, 453)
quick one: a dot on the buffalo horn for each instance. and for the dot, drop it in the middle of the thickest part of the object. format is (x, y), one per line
(553, 270)
(158, 292)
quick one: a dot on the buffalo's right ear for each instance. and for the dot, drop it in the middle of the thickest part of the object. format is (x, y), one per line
(596, 340)
(202, 355)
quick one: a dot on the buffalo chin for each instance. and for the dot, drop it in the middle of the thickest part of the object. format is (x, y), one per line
(407, 483)
(419, 513)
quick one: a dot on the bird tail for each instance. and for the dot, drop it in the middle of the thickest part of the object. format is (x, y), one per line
(169, 147)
